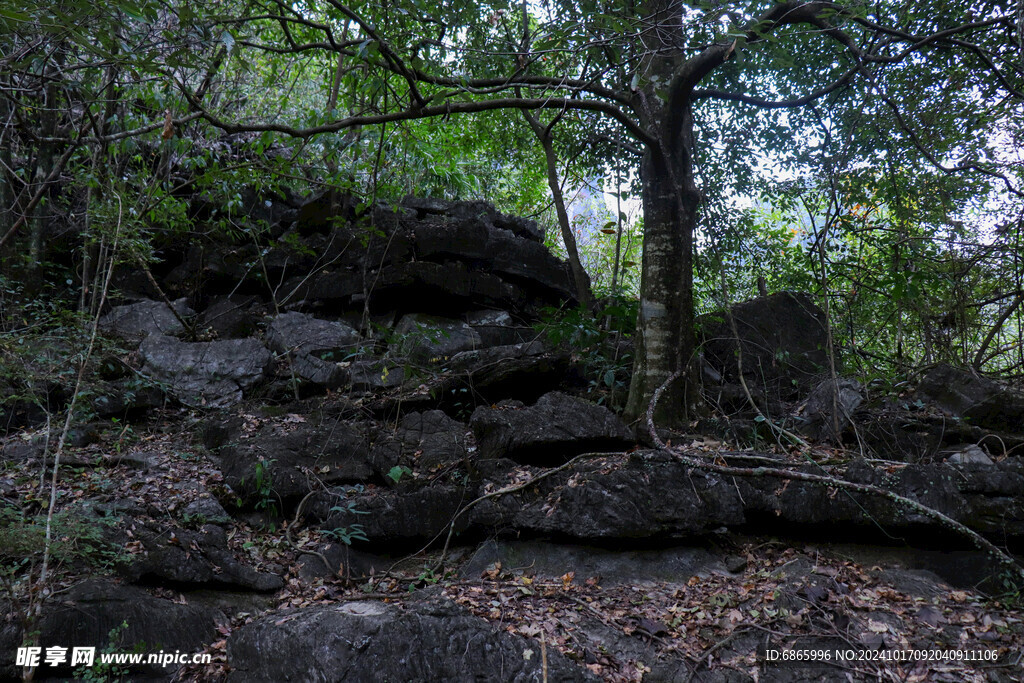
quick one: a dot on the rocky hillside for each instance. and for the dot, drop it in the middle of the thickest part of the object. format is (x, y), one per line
(356, 455)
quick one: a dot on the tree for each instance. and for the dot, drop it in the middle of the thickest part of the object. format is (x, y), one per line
(675, 76)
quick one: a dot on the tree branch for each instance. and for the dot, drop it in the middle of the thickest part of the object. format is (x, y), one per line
(446, 109)
(691, 460)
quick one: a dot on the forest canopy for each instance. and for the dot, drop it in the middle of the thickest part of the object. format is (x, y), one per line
(866, 153)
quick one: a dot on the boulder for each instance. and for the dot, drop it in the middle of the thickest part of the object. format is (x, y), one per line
(982, 401)
(255, 209)
(489, 318)
(531, 264)
(126, 396)
(316, 347)
(206, 509)
(92, 614)
(428, 255)
(230, 317)
(554, 429)
(375, 375)
(651, 495)
(277, 464)
(205, 374)
(497, 329)
(829, 409)
(218, 268)
(483, 212)
(423, 441)
(375, 641)
(302, 334)
(635, 499)
(427, 338)
(522, 371)
(324, 211)
(139, 320)
(967, 454)
(341, 560)
(783, 341)
(620, 567)
(192, 558)
(395, 519)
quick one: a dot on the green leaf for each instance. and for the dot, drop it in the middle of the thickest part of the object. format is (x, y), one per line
(12, 15)
(397, 472)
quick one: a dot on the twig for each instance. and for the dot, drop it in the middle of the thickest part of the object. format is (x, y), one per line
(777, 429)
(295, 521)
(825, 480)
(41, 589)
(505, 491)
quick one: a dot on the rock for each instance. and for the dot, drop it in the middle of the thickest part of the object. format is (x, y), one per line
(230, 317)
(375, 375)
(205, 374)
(831, 404)
(253, 208)
(276, 465)
(15, 451)
(140, 460)
(539, 272)
(217, 268)
(126, 397)
(613, 567)
(489, 317)
(521, 371)
(968, 454)
(731, 399)
(481, 211)
(634, 499)
(342, 560)
(316, 347)
(195, 558)
(139, 320)
(783, 340)
(205, 509)
(650, 495)
(301, 334)
(394, 519)
(427, 338)
(983, 401)
(897, 434)
(374, 641)
(426, 284)
(93, 611)
(324, 211)
(496, 328)
(551, 431)
(447, 258)
(992, 497)
(811, 505)
(423, 441)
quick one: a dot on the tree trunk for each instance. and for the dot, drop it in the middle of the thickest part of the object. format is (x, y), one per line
(579, 273)
(665, 339)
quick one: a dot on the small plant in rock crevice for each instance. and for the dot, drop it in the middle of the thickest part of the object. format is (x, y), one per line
(262, 482)
(350, 533)
(397, 472)
(595, 343)
(101, 672)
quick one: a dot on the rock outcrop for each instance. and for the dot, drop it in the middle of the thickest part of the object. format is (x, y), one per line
(783, 343)
(205, 374)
